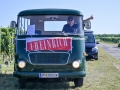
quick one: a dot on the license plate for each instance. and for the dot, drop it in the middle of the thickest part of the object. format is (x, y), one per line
(48, 75)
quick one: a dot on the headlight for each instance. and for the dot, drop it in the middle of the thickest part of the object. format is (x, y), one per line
(21, 64)
(84, 54)
(94, 49)
(76, 64)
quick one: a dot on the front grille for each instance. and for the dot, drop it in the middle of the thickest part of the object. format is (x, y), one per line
(48, 58)
(88, 50)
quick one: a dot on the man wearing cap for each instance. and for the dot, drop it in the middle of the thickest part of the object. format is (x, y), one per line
(71, 27)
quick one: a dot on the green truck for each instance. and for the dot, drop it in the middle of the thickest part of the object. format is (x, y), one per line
(44, 51)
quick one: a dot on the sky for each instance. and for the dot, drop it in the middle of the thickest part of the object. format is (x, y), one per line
(106, 13)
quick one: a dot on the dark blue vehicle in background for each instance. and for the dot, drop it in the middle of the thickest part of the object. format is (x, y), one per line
(91, 45)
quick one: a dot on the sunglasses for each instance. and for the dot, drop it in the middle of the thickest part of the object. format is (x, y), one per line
(70, 20)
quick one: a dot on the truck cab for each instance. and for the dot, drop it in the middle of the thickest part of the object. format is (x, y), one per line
(44, 52)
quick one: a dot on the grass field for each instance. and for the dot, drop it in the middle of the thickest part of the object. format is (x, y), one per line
(102, 74)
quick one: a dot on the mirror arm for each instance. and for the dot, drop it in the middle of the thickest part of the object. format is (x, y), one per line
(16, 25)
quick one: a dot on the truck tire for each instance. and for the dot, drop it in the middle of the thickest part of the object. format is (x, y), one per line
(22, 83)
(96, 58)
(78, 82)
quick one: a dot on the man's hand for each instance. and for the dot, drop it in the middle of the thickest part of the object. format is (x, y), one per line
(91, 17)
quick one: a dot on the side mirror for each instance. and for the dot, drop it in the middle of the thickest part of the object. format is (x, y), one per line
(87, 25)
(13, 25)
(97, 42)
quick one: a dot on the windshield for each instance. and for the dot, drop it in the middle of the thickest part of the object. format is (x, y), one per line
(49, 25)
(89, 38)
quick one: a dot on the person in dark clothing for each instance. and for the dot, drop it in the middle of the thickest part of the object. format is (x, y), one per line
(71, 27)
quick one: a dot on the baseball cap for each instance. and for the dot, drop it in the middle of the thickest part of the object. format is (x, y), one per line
(70, 18)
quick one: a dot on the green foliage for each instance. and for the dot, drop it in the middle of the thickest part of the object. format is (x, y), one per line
(110, 39)
(107, 35)
(113, 38)
(7, 46)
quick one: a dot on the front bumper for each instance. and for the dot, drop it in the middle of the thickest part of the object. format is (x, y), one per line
(92, 55)
(76, 74)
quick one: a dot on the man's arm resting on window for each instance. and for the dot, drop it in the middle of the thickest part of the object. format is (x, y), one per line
(90, 18)
(86, 20)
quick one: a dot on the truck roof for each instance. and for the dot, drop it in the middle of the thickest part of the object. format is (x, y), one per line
(50, 12)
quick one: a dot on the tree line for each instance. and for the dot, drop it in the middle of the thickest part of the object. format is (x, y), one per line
(113, 38)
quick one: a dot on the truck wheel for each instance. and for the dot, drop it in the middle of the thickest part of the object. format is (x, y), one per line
(22, 83)
(96, 57)
(78, 82)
